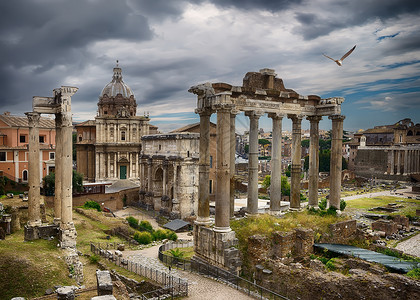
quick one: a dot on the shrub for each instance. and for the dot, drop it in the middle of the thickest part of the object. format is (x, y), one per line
(414, 273)
(343, 205)
(94, 259)
(330, 265)
(322, 204)
(159, 235)
(92, 205)
(145, 226)
(171, 235)
(143, 237)
(133, 222)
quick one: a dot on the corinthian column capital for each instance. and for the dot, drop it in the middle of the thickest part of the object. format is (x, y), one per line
(33, 118)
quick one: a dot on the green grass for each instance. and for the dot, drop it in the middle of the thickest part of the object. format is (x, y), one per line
(410, 205)
(28, 269)
(187, 252)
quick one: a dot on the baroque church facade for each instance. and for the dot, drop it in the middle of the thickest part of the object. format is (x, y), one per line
(108, 147)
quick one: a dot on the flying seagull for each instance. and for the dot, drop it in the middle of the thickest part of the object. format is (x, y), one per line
(340, 61)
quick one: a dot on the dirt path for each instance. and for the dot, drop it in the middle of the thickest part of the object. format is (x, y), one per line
(410, 246)
(376, 194)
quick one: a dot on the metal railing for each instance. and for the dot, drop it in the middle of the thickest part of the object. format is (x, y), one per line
(239, 283)
(172, 286)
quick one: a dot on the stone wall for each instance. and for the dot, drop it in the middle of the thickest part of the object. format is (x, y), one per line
(341, 232)
(114, 201)
(386, 226)
(298, 243)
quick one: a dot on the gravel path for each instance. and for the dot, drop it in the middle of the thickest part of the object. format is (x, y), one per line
(376, 194)
(411, 246)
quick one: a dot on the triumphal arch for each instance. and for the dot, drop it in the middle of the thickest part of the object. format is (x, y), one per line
(261, 93)
(60, 106)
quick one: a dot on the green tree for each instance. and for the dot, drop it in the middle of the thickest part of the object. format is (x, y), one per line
(305, 143)
(285, 185)
(48, 183)
(324, 161)
(246, 148)
(288, 170)
(263, 142)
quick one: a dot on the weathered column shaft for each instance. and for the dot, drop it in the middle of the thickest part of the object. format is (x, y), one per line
(34, 212)
(296, 169)
(67, 169)
(232, 163)
(336, 160)
(405, 162)
(204, 169)
(398, 162)
(149, 175)
(222, 222)
(252, 203)
(58, 168)
(314, 160)
(275, 186)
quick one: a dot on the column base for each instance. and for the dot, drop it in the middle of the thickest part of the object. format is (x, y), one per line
(45, 232)
(67, 235)
(216, 248)
(275, 213)
(57, 221)
(295, 208)
(203, 221)
(222, 229)
(250, 215)
(36, 223)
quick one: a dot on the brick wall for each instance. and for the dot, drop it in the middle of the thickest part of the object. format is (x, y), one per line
(389, 227)
(341, 232)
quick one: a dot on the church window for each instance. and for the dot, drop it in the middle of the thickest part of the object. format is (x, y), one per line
(210, 186)
(122, 135)
(409, 133)
(400, 138)
(211, 161)
(80, 138)
(105, 112)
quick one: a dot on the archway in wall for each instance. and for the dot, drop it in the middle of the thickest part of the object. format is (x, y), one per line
(123, 168)
(158, 182)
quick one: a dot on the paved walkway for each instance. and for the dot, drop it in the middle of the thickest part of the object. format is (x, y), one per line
(199, 287)
(377, 194)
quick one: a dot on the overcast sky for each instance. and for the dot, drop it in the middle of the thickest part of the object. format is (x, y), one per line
(164, 47)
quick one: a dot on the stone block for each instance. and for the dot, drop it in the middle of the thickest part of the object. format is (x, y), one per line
(104, 283)
(304, 241)
(65, 293)
(104, 297)
(389, 227)
(402, 220)
(283, 243)
(343, 231)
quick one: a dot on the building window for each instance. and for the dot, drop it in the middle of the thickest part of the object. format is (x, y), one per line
(41, 139)
(160, 147)
(25, 175)
(80, 138)
(22, 139)
(211, 161)
(400, 138)
(2, 156)
(409, 133)
(52, 155)
(122, 135)
(210, 186)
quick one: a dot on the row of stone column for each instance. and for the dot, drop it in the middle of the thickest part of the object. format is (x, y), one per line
(103, 165)
(63, 170)
(403, 161)
(226, 164)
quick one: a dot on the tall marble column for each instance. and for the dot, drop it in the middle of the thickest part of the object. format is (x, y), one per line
(58, 168)
(149, 175)
(233, 114)
(296, 169)
(252, 203)
(275, 186)
(314, 160)
(34, 212)
(165, 169)
(203, 217)
(405, 162)
(67, 169)
(336, 160)
(398, 162)
(222, 217)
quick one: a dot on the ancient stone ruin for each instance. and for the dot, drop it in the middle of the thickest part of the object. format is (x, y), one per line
(60, 106)
(261, 93)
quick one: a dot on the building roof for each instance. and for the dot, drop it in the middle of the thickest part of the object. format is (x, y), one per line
(87, 123)
(383, 129)
(117, 86)
(22, 121)
(189, 127)
(176, 224)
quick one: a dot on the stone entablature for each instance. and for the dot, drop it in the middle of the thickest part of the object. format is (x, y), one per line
(169, 173)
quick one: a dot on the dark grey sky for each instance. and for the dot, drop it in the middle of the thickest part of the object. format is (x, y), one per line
(164, 47)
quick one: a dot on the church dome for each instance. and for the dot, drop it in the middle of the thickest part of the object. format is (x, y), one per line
(117, 86)
(117, 99)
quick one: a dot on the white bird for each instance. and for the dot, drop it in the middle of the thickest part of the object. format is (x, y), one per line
(340, 61)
